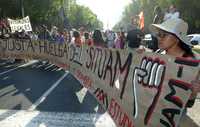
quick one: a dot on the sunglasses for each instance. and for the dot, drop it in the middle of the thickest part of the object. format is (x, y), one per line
(162, 34)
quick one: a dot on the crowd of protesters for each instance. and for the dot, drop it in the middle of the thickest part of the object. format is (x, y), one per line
(108, 38)
(167, 28)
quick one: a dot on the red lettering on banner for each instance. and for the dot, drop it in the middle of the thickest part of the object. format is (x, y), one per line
(116, 113)
(85, 80)
(62, 65)
(170, 113)
(102, 97)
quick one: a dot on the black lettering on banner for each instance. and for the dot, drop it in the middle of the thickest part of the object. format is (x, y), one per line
(185, 61)
(12, 28)
(43, 46)
(171, 97)
(23, 45)
(180, 71)
(3, 44)
(55, 49)
(66, 51)
(96, 60)
(60, 50)
(101, 69)
(71, 52)
(89, 63)
(27, 27)
(169, 113)
(30, 45)
(150, 74)
(53, 52)
(51, 49)
(20, 28)
(103, 61)
(24, 26)
(11, 46)
(75, 54)
(108, 68)
(117, 66)
(26, 20)
(18, 44)
(78, 55)
(122, 68)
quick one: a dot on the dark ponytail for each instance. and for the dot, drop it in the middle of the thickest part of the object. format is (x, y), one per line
(186, 48)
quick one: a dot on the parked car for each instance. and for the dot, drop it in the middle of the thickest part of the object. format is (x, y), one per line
(150, 42)
(195, 40)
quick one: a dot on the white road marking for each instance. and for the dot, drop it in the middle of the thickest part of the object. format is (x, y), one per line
(22, 118)
(81, 94)
(24, 65)
(59, 69)
(2, 73)
(49, 66)
(44, 96)
(7, 89)
(1, 64)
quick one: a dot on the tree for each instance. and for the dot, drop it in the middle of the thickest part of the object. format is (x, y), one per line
(14, 6)
(188, 10)
(47, 12)
(83, 16)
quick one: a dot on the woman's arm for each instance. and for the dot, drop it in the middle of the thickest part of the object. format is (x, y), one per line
(195, 86)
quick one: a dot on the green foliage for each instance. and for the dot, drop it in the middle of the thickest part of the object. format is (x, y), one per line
(14, 6)
(197, 51)
(130, 11)
(47, 12)
(83, 16)
(187, 8)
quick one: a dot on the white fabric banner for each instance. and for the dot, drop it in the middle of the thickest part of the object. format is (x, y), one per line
(21, 24)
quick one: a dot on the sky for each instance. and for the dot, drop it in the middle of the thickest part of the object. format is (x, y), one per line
(108, 11)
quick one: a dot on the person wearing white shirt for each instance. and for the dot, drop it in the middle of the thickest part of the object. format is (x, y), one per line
(172, 13)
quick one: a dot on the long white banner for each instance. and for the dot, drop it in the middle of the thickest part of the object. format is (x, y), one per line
(20, 24)
(138, 90)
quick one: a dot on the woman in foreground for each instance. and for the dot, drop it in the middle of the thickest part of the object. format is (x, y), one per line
(172, 40)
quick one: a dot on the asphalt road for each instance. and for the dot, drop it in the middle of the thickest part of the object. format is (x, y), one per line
(39, 94)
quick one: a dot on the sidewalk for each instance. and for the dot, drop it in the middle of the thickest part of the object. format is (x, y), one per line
(194, 113)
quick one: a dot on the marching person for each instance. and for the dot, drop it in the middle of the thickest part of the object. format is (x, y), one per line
(120, 40)
(171, 13)
(88, 39)
(77, 38)
(134, 35)
(98, 39)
